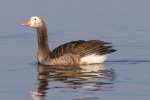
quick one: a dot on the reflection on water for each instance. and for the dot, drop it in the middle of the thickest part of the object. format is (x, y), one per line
(92, 77)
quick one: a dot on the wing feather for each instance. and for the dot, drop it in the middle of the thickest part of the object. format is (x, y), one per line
(83, 48)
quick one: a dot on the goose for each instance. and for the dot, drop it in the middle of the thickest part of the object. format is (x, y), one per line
(78, 52)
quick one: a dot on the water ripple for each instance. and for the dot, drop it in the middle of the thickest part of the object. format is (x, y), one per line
(86, 77)
(128, 61)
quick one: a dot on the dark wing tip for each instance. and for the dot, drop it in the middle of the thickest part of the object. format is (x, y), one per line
(112, 50)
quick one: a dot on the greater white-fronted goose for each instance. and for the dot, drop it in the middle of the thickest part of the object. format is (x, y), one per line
(71, 53)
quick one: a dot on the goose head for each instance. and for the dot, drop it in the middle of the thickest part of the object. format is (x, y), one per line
(34, 22)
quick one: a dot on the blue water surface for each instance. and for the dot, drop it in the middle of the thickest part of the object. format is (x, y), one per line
(125, 76)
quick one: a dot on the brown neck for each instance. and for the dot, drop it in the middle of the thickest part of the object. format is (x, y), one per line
(42, 36)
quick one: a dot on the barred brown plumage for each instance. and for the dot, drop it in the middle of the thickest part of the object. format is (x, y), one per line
(71, 53)
(83, 48)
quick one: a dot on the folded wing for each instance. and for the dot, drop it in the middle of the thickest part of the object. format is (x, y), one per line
(83, 48)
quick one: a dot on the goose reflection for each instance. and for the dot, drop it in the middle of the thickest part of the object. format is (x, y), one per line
(92, 77)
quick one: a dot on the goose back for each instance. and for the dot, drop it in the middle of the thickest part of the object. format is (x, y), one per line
(83, 48)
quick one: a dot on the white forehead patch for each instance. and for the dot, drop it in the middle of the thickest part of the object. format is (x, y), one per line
(35, 18)
(35, 21)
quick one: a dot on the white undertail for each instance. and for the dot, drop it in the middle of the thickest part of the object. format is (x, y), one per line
(93, 58)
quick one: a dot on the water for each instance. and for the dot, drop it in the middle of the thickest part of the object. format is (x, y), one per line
(124, 76)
